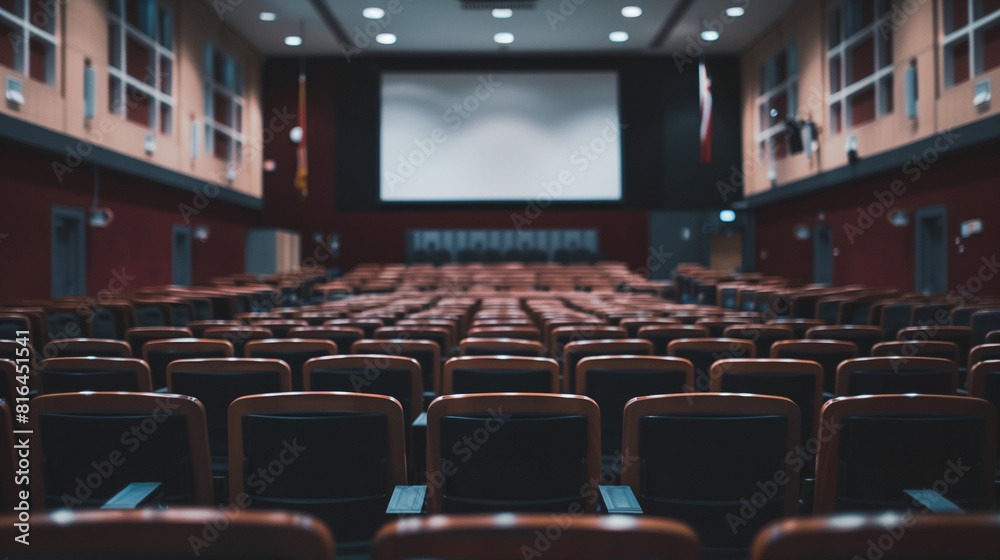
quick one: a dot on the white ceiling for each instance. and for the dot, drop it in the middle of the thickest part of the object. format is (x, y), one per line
(550, 27)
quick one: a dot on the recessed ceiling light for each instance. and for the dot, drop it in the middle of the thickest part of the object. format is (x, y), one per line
(735, 11)
(504, 38)
(710, 35)
(631, 11)
(618, 36)
(293, 40)
(373, 13)
(385, 38)
(502, 13)
(267, 16)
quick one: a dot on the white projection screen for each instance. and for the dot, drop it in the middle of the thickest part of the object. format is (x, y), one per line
(468, 137)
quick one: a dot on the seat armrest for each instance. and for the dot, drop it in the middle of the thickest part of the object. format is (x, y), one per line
(136, 495)
(619, 499)
(932, 502)
(407, 500)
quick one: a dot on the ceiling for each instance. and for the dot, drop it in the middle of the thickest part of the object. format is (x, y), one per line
(546, 27)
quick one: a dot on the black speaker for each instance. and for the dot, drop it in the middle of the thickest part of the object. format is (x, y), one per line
(793, 129)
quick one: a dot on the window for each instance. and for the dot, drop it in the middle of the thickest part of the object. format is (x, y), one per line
(777, 101)
(972, 38)
(141, 62)
(28, 44)
(860, 63)
(223, 107)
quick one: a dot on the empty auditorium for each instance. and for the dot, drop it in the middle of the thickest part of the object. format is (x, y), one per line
(499, 280)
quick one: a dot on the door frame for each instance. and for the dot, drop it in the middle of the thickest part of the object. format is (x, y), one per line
(921, 254)
(80, 216)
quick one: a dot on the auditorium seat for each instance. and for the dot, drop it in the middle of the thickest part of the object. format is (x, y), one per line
(13, 323)
(798, 326)
(982, 323)
(703, 352)
(342, 336)
(90, 446)
(897, 375)
(864, 336)
(182, 532)
(885, 535)
(238, 336)
(895, 316)
(763, 336)
(159, 353)
(874, 447)
(827, 353)
(75, 374)
(800, 381)
(543, 453)
(293, 351)
(198, 328)
(137, 337)
(8, 381)
(612, 381)
(662, 335)
(984, 383)
(560, 337)
(82, 347)
(499, 374)
(64, 320)
(632, 325)
(439, 335)
(525, 332)
(369, 325)
(962, 336)
(573, 352)
(993, 337)
(741, 443)
(984, 352)
(717, 327)
(338, 455)
(426, 352)
(500, 346)
(489, 537)
(217, 382)
(916, 348)
(279, 327)
(378, 374)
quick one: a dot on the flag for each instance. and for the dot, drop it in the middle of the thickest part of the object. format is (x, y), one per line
(302, 166)
(705, 105)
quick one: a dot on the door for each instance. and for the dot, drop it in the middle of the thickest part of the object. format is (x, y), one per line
(822, 254)
(727, 251)
(931, 246)
(69, 258)
(182, 256)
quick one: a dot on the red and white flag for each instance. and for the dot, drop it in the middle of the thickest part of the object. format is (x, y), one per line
(302, 165)
(705, 105)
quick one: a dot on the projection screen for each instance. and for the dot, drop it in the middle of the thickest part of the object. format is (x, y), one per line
(462, 137)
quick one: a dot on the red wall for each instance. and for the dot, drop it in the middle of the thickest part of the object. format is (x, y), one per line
(138, 241)
(883, 255)
(380, 236)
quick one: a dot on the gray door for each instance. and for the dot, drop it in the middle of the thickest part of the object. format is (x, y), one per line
(69, 257)
(822, 254)
(931, 245)
(182, 256)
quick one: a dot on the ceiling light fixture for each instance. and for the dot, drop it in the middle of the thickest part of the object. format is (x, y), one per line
(504, 38)
(293, 40)
(631, 11)
(735, 11)
(710, 35)
(373, 13)
(618, 36)
(267, 16)
(385, 38)
(502, 13)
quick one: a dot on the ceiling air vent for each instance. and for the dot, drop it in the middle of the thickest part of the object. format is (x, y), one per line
(497, 4)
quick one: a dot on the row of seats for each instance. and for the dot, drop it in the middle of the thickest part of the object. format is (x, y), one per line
(179, 533)
(339, 456)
